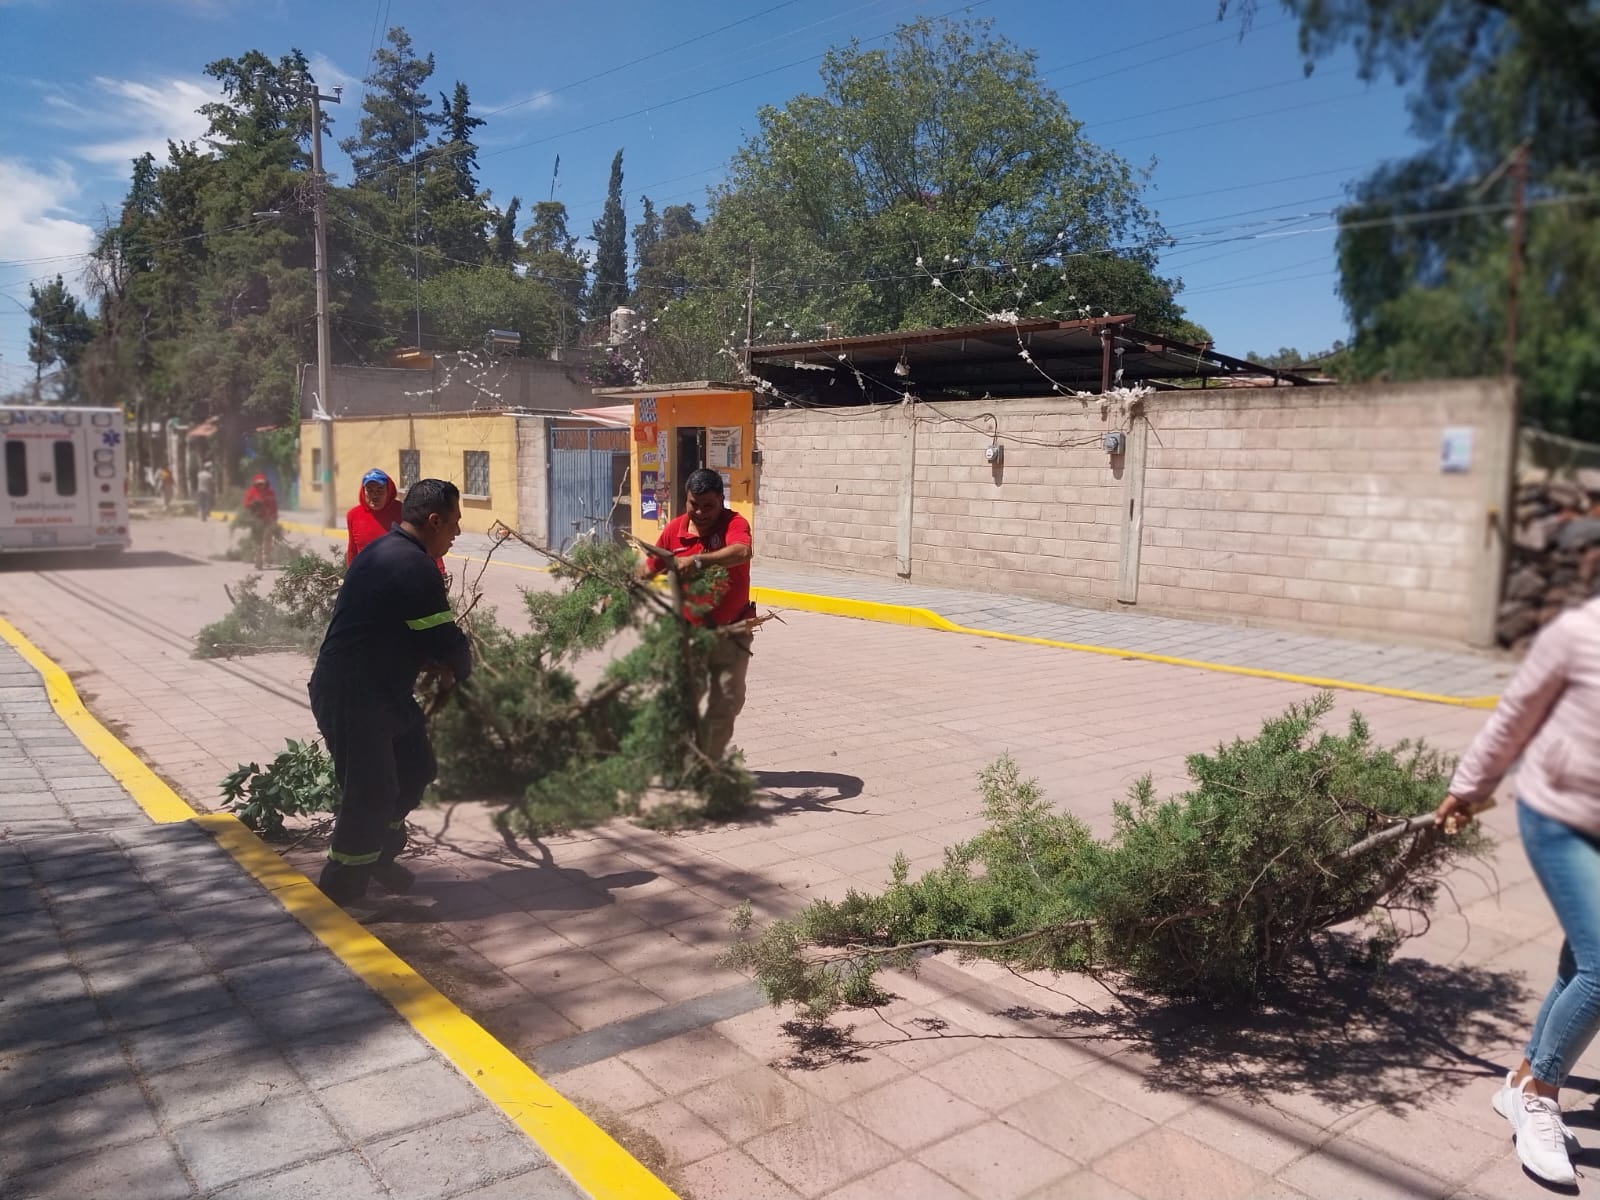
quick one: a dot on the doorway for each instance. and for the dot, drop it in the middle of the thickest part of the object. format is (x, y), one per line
(689, 455)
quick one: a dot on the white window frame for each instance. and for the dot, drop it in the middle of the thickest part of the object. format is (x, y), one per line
(466, 476)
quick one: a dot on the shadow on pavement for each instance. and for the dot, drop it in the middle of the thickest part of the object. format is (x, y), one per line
(1349, 1037)
(815, 787)
(94, 560)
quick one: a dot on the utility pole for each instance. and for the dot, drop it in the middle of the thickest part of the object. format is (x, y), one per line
(1519, 177)
(750, 311)
(319, 183)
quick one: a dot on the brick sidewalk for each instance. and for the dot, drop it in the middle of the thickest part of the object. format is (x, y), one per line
(592, 956)
(168, 1030)
(1375, 664)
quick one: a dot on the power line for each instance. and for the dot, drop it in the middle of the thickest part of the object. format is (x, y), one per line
(699, 37)
(1266, 112)
(450, 151)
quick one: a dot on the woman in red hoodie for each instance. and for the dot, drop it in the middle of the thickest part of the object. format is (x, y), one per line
(375, 513)
(261, 518)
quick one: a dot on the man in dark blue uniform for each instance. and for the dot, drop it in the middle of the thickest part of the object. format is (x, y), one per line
(391, 621)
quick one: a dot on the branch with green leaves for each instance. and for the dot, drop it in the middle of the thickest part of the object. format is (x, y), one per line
(1209, 893)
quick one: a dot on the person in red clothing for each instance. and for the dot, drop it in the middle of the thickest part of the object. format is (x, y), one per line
(376, 512)
(261, 512)
(710, 534)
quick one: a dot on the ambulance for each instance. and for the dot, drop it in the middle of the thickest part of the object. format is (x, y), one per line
(63, 479)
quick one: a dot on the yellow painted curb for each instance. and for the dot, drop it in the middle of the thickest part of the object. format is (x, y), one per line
(160, 803)
(596, 1163)
(923, 618)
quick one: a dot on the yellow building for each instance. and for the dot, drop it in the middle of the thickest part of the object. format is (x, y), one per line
(677, 428)
(477, 451)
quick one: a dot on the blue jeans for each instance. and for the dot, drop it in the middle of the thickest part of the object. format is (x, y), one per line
(1567, 864)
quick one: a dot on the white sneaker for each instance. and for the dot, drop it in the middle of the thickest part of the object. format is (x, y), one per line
(1541, 1138)
(1505, 1103)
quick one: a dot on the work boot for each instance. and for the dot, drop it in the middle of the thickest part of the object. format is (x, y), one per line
(386, 872)
(344, 884)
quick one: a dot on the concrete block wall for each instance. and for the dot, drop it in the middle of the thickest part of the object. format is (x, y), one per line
(1326, 509)
(825, 491)
(533, 475)
(1322, 509)
(1046, 521)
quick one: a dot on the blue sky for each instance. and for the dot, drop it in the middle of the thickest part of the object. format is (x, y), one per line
(1247, 157)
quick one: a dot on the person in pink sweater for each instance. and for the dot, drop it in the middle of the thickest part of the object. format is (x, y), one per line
(1549, 717)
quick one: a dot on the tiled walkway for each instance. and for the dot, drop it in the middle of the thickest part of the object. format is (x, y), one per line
(1459, 675)
(594, 955)
(168, 1030)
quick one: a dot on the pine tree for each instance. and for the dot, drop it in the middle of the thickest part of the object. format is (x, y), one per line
(553, 258)
(59, 332)
(611, 251)
(395, 118)
(505, 234)
(646, 237)
(455, 140)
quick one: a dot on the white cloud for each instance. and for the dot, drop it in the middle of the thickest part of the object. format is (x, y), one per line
(150, 116)
(330, 74)
(542, 100)
(37, 219)
(117, 120)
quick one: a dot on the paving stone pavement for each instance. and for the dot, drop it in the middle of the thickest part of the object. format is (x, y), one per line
(593, 956)
(168, 1030)
(1458, 674)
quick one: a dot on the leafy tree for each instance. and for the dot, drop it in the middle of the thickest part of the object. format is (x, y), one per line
(462, 305)
(664, 256)
(945, 143)
(59, 331)
(553, 258)
(1423, 252)
(610, 251)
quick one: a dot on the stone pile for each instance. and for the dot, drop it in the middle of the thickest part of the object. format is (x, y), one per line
(1555, 554)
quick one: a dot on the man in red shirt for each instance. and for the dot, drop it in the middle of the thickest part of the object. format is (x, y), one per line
(710, 534)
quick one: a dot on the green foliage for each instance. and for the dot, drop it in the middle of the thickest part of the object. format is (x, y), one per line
(524, 731)
(59, 332)
(945, 142)
(1423, 269)
(299, 782)
(292, 615)
(1206, 894)
(463, 305)
(610, 250)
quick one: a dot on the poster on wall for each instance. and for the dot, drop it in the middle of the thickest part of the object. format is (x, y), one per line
(1455, 450)
(647, 410)
(727, 485)
(645, 433)
(724, 446)
(647, 459)
(648, 509)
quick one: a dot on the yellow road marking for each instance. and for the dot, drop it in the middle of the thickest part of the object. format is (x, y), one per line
(160, 803)
(580, 1147)
(589, 1155)
(923, 618)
